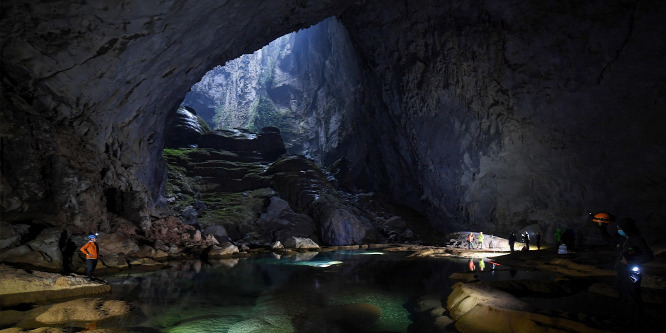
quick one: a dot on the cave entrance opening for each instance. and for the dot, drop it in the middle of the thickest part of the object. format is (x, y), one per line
(300, 83)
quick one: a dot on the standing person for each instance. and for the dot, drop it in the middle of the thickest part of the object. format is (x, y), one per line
(470, 238)
(91, 250)
(526, 240)
(481, 239)
(538, 240)
(634, 252)
(512, 241)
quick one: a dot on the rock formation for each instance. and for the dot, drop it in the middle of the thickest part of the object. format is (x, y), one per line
(186, 129)
(19, 286)
(482, 115)
(304, 83)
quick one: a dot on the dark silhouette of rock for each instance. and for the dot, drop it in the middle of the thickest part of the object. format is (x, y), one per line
(185, 129)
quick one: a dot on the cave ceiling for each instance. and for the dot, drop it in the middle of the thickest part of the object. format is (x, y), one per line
(489, 115)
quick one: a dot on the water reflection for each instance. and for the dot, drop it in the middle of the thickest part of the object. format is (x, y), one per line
(276, 292)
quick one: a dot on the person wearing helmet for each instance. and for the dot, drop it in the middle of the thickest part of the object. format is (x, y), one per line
(603, 219)
(91, 250)
(633, 253)
(481, 239)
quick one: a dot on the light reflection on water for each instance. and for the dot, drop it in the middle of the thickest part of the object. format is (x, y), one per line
(280, 293)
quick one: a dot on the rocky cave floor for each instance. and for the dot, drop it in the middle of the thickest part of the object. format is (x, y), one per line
(579, 296)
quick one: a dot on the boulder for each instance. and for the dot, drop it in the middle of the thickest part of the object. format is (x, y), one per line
(339, 226)
(478, 307)
(190, 215)
(217, 231)
(280, 222)
(222, 250)
(276, 205)
(185, 129)
(300, 243)
(84, 309)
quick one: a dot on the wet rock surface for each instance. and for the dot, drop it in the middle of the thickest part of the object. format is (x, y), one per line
(19, 286)
(565, 302)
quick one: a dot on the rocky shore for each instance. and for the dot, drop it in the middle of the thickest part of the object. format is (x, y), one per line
(478, 302)
(579, 294)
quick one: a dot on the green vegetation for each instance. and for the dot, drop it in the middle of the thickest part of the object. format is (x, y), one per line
(200, 174)
(203, 124)
(222, 118)
(172, 153)
(234, 210)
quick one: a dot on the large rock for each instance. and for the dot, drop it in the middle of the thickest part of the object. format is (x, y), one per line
(300, 243)
(84, 309)
(224, 250)
(185, 129)
(44, 251)
(478, 307)
(19, 286)
(280, 222)
(307, 190)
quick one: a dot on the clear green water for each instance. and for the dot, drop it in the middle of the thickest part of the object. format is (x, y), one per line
(271, 294)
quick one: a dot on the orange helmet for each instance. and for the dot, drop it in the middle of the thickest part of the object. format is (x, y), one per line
(601, 218)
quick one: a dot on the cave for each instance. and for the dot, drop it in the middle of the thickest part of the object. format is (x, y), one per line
(475, 115)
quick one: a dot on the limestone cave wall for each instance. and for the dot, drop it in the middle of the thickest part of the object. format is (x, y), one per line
(486, 115)
(524, 114)
(87, 88)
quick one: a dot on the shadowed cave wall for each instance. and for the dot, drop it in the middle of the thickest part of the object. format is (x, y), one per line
(491, 116)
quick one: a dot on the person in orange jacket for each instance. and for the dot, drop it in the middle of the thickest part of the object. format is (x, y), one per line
(91, 250)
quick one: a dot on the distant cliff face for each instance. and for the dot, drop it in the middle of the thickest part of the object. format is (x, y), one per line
(302, 83)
